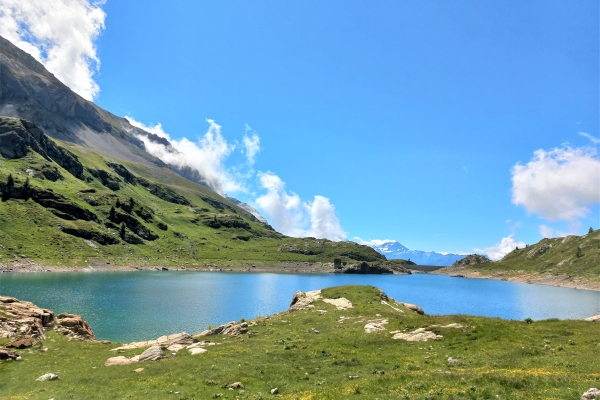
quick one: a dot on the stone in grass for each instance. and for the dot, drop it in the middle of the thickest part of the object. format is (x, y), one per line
(275, 391)
(151, 354)
(47, 377)
(9, 355)
(197, 350)
(592, 393)
(138, 370)
(236, 385)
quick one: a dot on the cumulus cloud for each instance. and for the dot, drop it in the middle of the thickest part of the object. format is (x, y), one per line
(374, 242)
(206, 156)
(251, 144)
(60, 34)
(499, 250)
(574, 228)
(291, 216)
(560, 184)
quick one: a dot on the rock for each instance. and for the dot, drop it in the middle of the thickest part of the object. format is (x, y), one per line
(197, 350)
(151, 354)
(138, 370)
(74, 326)
(175, 347)
(275, 391)
(341, 303)
(120, 360)
(452, 360)
(452, 325)
(304, 301)
(23, 318)
(176, 338)
(594, 318)
(21, 343)
(592, 393)
(231, 328)
(353, 377)
(376, 326)
(47, 377)
(236, 385)
(365, 268)
(412, 307)
(418, 335)
(9, 355)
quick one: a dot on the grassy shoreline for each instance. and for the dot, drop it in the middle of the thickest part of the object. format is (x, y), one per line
(316, 354)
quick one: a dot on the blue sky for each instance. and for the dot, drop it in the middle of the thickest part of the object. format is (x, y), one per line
(407, 117)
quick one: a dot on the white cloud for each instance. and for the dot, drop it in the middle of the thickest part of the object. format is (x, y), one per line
(251, 144)
(60, 34)
(374, 242)
(289, 215)
(499, 250)
(207, 156)
(561, 184)
(574, 228)
(593, 139)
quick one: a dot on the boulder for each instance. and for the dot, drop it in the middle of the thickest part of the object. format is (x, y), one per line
(412, 307)
(9, 355)
(594, 318)
(231, 328)
(23, 318)
(47, 377)
(74, 326)
(236, 385)
(120, 360)
(592, 393)
(21, 342)
(197, 350)
(151, 354)
(304, 301)
(418, 335)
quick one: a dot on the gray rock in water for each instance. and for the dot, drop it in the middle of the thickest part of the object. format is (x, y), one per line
(151, 354)
(47, 377)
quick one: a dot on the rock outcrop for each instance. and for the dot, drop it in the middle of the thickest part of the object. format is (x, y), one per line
(27, 323)
(595, 318)
(74, 326)
(366, 268)
(23, 318)
(165, 341)
(592, 393)
(418, 335)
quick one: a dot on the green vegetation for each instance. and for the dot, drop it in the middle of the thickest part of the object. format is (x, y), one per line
(570, 256)
(486, 359)
(67, 205)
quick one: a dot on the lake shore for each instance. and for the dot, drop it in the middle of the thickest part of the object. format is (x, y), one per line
(523, 277)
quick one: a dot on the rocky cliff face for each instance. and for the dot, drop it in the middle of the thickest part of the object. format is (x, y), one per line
(29, 91)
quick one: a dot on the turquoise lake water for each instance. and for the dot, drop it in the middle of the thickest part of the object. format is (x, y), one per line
(130, 306)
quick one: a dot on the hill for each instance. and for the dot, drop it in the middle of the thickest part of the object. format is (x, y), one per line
(338, 343)
(572, 260)
(67, 205)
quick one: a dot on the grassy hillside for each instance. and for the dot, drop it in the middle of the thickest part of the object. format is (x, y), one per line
(570, 256)
(68, 205)
(486, 358)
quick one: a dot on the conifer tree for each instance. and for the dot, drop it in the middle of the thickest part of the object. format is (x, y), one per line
(122, 233)
(10, 182)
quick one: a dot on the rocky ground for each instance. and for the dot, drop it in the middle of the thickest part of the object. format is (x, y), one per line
(521, 276)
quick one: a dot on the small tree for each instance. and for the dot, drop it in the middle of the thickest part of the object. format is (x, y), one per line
(122, 233)
(517, 248)
(579, 253)
(26, 185)
(591, 230)
(10, 181)
(118, 203)
(111, 214)
(131, 202)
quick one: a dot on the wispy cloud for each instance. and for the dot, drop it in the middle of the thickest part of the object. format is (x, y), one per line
(251, 142)
(60, 34)
(499, 250)
(560, 184)
(593, 139)
(284, 210)
(374, 242)
(291, 216)
(206, 156)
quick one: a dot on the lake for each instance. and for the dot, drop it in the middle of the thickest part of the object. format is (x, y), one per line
(132, 306)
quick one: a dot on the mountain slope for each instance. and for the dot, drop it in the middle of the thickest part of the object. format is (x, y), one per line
(567, 258)
(67, 205)
(392, 250)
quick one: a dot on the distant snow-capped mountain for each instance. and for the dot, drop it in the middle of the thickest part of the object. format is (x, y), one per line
(392, 250)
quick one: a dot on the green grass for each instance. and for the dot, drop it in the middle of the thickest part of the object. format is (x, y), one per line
(498, 359)
(29, 231)
(571, 256)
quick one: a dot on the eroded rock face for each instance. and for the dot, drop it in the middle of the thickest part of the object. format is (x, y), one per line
(23, 318)
(74, 326)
